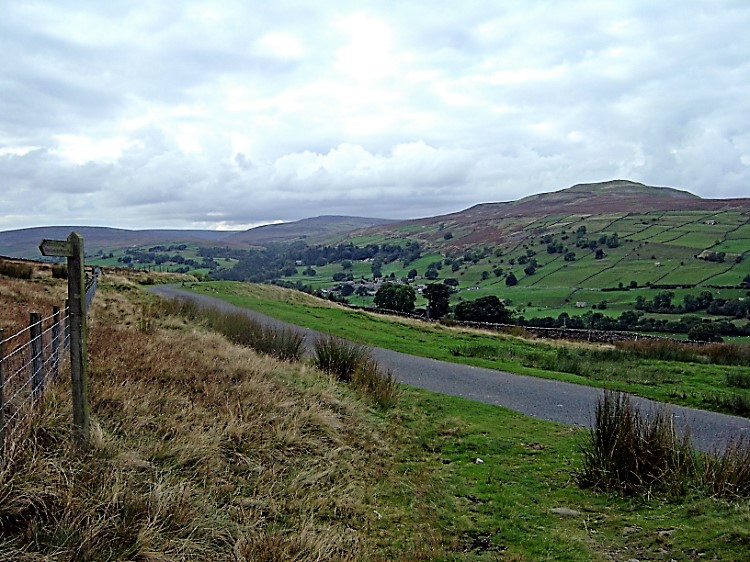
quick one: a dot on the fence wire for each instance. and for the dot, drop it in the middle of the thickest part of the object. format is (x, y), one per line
(19, 390)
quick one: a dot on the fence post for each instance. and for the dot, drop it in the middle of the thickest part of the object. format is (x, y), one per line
(72, 248)
(78, 340)
(2, 395)
(37, 361)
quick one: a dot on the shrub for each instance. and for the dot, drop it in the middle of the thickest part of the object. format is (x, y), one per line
(635, 454)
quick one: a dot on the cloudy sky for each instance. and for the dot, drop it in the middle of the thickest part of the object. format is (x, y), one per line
(229, 114)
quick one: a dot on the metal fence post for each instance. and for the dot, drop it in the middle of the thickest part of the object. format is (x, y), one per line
(37, 361)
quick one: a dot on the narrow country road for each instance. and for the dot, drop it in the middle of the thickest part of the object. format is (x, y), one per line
(542, 398)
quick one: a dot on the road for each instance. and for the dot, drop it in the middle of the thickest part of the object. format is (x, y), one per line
(542, 398)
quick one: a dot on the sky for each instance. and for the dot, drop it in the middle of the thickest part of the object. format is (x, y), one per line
(231, 114)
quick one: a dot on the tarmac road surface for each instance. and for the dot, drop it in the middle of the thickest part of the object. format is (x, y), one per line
(552, 400)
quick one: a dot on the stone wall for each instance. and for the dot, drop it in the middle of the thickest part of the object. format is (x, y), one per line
(572, 334)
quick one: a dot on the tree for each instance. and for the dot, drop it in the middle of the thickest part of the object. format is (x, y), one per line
(361, 291)
(599, 254)
(395, 297)
(703, 331)
(438, 296)
(431, 273)
(511, 280)
(346, 290)
(485, 309)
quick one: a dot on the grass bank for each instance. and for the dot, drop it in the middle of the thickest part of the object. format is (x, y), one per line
(686, 382)
(205, 450)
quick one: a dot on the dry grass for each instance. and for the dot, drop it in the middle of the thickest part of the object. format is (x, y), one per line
(18, 298)
(201, 450)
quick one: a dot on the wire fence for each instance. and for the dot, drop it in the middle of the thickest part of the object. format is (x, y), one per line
(30, 361)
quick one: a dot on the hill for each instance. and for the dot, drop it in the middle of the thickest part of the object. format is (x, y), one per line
(23, 243)
(611, 247)
(311, 230)
(496, 223)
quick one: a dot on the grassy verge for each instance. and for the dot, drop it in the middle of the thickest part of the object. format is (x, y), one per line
(687, 383)
(522, 503)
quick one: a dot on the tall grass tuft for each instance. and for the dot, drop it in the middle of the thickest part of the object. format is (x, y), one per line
(635, 454)
(352, 363)
(671, 350)
(338, 357)
(738, 380)
(380, 386)
(282, 343)
(733, 403)
(728, 474)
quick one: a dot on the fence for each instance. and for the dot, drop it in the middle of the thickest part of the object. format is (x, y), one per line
(29, 361)
(32, 358)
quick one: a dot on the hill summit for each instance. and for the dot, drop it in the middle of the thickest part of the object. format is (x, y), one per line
(614, 196)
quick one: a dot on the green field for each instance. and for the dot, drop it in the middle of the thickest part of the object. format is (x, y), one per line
(682, 383)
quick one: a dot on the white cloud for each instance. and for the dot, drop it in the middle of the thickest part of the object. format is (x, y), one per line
(215, 114)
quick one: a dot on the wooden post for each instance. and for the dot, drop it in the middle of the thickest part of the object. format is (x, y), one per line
(2, 395)
(37, 361)
(72, 248)
(78, 341)
(55, 342)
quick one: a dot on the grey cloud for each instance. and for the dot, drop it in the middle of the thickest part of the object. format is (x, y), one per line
(483, 103)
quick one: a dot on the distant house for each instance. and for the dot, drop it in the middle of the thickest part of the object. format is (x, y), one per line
(657, 264)
(711, 222)
(581, 304)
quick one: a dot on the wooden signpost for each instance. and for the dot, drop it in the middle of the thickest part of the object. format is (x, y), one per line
(72, 249)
